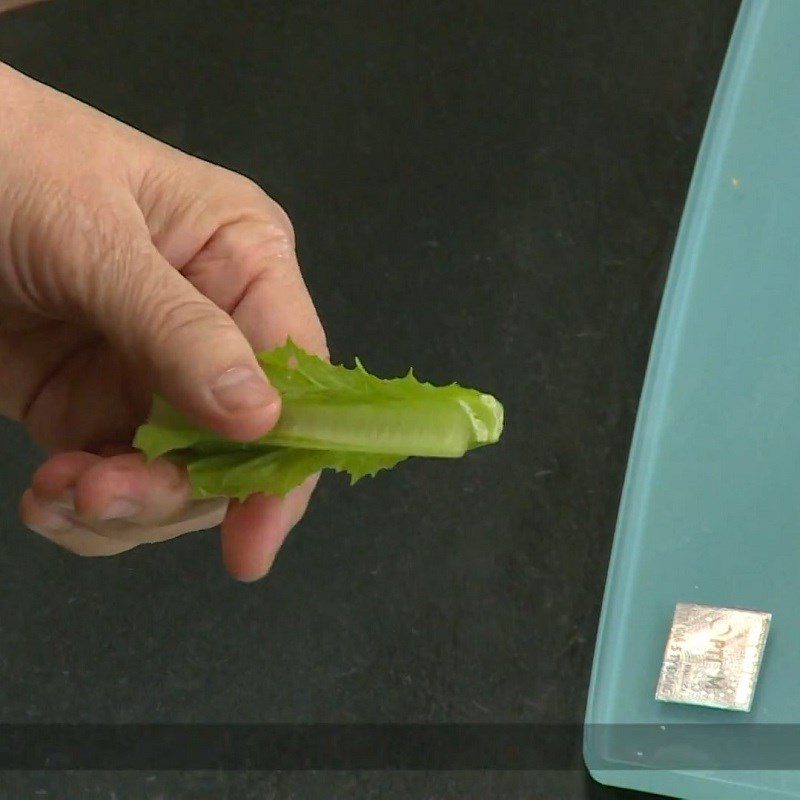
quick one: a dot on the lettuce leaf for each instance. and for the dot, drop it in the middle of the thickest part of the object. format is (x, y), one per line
(333, 417)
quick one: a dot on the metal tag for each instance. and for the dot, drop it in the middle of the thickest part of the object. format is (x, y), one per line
(713, 656)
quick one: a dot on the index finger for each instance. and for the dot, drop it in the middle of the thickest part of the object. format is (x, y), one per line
(235, 244)
(251, 267)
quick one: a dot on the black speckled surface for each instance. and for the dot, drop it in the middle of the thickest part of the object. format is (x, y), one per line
(488, 191)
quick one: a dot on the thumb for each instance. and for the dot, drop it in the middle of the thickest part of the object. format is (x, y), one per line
(199, 359)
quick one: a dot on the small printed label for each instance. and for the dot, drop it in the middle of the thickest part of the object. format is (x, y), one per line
(713, 656)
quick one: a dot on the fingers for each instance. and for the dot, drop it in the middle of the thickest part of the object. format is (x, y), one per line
(235, 244)
(186, 305)
(60, 474)
(198, 357)
(10, 5)
(251, 535)
(54, 523)
(254, 531)
(101, 506)
(95, 506)
(250, 269)
(125, 487)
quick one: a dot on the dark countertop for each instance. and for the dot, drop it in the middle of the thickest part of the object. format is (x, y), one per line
(487, 191)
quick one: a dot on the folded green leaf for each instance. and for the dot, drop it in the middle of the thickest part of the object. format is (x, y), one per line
(333, 417)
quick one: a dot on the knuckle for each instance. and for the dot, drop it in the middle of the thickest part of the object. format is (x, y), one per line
(272, 252)
(267, 210)
(267, 254)
(279, 220)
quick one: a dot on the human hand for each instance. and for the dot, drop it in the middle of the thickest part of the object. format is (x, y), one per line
(10, 5)
(128, 266)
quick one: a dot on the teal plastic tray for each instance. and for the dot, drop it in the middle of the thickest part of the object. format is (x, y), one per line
(710, 512)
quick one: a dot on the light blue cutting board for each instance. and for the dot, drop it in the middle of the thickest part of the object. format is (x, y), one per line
(710, 512)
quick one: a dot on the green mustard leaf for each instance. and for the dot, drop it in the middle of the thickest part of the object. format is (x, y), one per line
(332, 417)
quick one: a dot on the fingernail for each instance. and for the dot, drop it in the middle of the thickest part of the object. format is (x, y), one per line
(121, 508)
(242, 389)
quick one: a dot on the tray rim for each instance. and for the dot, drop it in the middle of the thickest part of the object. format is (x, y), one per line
(644, 442)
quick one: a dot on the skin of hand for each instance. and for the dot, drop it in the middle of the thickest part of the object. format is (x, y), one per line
(10, 5)
(127, 266)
